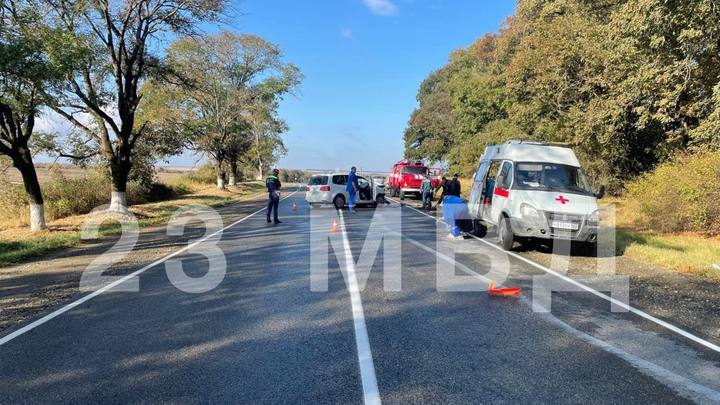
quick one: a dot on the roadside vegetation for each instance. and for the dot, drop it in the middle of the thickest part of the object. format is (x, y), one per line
(138, 82)
(670, 217)
(18, 243)
(69, 198)
(633, 86)
(629, 84)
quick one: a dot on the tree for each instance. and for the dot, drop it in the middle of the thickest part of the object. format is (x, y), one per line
(123, 39)
(627, 83)
(267, 145)
(231, 91)
(32, 58)
(429, 133)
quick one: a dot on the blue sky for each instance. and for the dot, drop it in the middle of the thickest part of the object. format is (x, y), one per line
(363, 61)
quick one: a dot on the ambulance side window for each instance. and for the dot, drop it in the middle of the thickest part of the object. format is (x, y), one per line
(505, 177)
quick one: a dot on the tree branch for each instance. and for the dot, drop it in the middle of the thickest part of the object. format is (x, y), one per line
(94, 107)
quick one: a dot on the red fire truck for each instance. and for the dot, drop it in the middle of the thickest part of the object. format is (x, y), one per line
(406, 176)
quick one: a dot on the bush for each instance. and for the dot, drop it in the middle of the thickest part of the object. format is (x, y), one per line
(205, 174)
(681, 195)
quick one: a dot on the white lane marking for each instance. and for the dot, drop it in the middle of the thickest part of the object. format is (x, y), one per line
(682, 385)
(576, 283)
(27, 328)
(371, 394)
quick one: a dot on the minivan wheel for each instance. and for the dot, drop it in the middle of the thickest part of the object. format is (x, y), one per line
(379, 200)
(339, 201)
(507, 239)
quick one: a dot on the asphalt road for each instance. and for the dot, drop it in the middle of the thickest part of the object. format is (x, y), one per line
(263, 336)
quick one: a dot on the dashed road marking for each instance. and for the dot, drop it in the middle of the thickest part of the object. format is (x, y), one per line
(371, 394)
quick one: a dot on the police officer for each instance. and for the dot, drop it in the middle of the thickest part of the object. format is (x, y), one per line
(273, 187)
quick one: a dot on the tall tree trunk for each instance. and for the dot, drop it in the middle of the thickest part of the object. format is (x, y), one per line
(220, 172)
(259, 157)
(233, 172)
(119, 173)
(22, 160)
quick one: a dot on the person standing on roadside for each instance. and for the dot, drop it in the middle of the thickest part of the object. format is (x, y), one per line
(426, 190)
(352, 188)
(273, 187)
(443, 185)
(453, 186)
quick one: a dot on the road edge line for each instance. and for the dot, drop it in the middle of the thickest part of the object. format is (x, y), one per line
(638, 312)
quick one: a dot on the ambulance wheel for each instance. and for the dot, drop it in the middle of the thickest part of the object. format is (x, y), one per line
(339, 201)
(402, 195)
(507, 239)
(479, 229)
(590, 249)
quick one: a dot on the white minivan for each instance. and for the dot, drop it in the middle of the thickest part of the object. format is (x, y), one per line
(331, 189)
(534, 190)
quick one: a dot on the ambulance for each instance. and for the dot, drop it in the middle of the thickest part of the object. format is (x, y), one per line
(533, 190)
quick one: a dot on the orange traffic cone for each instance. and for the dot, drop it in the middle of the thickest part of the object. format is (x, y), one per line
(503, 292)
(294, 206)
(335, 227)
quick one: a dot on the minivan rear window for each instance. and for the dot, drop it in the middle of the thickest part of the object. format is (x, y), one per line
(318, 181)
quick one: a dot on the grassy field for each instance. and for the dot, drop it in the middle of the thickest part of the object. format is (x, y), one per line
(164, 175)
(684, 252)
(18, 243)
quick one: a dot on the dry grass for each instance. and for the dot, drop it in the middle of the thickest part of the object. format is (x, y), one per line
(164, 175)
(18, 242)
(684, 252)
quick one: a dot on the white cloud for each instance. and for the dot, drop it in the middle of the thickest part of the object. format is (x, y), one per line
(346, 33)
(381, 7)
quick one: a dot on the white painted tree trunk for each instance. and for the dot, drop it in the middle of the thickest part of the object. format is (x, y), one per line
(232, 181)
(118, 201)
(220, 183)
(37, 217)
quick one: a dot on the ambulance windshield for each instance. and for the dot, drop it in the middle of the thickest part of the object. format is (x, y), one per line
(551, 177)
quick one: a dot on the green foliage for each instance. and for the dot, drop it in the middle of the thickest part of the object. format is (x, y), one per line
(228, 99)
(681, 195)
(204, 174)
(627, 83)
(291, 176)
